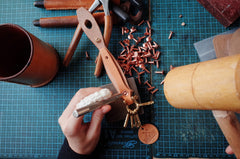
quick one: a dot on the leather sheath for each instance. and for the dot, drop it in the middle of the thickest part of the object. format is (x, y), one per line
(71, 4)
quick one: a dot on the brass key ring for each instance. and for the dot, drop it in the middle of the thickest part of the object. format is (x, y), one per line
(133, 113)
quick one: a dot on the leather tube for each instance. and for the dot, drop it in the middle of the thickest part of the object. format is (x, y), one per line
(25, 59)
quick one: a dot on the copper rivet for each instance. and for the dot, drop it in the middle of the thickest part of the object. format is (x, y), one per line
(98, 40)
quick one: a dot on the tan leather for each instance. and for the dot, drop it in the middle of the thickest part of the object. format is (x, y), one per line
(73, 45)
(228, 44)
(116, 75)
(112, 67)
(70, 4)
(107, 36)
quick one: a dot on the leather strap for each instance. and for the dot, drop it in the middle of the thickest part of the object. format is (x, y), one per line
(107, 36)
(116, 75)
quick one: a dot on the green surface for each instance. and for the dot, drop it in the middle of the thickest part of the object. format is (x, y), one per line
(28, 116)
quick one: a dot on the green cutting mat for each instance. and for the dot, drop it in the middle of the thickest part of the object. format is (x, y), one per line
(28, 116)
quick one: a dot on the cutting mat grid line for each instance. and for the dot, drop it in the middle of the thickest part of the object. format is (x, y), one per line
(28, 116)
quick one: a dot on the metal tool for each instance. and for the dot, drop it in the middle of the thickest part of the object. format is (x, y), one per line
(114, 71)
(91, 107)
(78, 33)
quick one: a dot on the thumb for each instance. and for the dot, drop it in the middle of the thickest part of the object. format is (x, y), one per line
(229, 150)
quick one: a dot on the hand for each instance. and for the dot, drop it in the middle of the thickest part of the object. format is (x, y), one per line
(82, 137)
(229, 150)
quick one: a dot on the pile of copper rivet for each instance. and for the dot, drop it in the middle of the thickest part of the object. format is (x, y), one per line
(138, 52)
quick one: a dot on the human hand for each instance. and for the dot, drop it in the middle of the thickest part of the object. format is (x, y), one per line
(82, 137)
(229, 149)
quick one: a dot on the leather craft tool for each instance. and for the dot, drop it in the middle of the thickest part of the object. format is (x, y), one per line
(114, 72)
(70, 21)
(66, 4)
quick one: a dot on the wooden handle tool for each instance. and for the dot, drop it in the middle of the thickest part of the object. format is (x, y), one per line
(67, 4)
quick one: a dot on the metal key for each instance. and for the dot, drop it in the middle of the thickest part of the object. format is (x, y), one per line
(132, 121)
(137, 121)
(126, 120)
(133, 114)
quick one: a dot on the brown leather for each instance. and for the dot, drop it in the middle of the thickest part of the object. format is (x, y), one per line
(71, 21)
(66, 21)
(228, 44)
(116, 75)
(234, 43)
(73, 45)
(24, 58)
(112, 67)
(71, 4)
(221, 43)
(107, 37)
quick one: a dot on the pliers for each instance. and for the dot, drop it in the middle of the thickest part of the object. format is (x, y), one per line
(78, 33)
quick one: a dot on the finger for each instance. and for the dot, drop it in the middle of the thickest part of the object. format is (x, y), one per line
(75, 124)
(82, 93)
(97, 116)
(229, 150)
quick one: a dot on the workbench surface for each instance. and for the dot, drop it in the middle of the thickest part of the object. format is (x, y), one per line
(28, 116)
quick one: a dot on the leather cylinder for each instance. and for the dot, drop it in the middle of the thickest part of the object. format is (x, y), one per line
(209, 85)
(25, 59)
